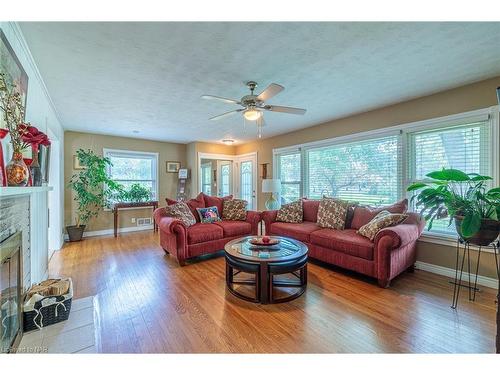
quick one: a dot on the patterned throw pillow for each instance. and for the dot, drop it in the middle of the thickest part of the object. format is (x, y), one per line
(234, 209)
(332, 213)
(208, 214)
(291, 212)
(182, 212)
(382, 220)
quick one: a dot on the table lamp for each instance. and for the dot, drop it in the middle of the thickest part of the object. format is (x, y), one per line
(271, 185)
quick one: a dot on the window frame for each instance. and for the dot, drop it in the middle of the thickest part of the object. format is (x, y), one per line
(107, 152)
(276, 167)
(489, 114)
(203, 168)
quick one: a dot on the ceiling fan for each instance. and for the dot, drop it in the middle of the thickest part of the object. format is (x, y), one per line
(254, 105)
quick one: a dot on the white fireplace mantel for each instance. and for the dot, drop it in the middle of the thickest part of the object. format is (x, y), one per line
(38, 228)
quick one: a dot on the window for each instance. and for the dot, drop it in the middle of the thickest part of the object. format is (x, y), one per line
(206, 178)
(225, 176)
(289, 171)
(465, 147)
(376, 167)
(246, 181)
(363, 171)
(131, 167)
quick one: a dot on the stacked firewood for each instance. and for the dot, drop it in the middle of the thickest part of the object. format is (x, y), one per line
(50, 287)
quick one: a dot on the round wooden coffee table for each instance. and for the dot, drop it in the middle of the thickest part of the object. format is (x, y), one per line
(289, 256)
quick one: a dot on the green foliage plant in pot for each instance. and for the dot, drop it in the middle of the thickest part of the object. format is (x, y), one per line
(464, 198)
(91, 187)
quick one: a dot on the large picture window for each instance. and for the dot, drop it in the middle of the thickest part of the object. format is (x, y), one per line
(363, 171)
(375, 168)
(132, 167)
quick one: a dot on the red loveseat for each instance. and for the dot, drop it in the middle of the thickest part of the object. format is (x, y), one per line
(392, 251)
(201, 238)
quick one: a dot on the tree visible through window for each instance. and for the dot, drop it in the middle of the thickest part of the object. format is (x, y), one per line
(364, 172)
(132, 167)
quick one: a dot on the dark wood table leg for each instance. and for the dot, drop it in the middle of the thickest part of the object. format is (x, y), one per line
(264, 284)
(155, 225)
(115, 214)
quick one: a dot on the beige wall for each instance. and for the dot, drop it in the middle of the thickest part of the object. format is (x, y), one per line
(466, 98)
(167, 181)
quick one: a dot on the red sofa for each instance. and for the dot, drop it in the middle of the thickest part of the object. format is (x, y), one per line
(201, 238)
(392, 251)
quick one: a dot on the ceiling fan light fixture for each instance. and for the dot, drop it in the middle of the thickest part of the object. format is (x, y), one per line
(252, 114)
(228, 141)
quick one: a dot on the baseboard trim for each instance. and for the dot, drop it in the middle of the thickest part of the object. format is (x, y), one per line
(107, 232)
(489, 282)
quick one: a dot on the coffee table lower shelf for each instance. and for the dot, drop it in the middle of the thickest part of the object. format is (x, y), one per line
(292, 260)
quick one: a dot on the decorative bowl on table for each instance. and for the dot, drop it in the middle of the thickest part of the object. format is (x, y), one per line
(264, 241)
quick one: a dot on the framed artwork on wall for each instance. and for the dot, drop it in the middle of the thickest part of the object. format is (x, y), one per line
(76, 163)
(173, 166)
(13, 71)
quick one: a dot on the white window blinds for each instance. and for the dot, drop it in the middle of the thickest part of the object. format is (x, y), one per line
(466, 147)
(364, 171)
(289, 171)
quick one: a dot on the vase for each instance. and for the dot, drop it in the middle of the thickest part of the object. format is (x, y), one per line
(36, 172)
(17, 171)
(28, 163)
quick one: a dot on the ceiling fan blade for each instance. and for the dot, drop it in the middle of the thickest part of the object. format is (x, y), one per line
(226, 114)
(270, 91)
(279, 108)
(225, 100)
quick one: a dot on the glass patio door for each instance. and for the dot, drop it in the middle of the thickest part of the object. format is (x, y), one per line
(247, 180)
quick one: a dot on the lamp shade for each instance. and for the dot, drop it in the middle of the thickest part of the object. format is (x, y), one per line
(271, 185)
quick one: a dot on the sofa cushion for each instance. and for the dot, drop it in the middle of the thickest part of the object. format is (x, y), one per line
(193, 204)
(215, 201)
(291, 212)
(299, 231)
(201, 232)
(310, 209)
(346, 241)
(363, 214)
(235, 228)
(182, 212)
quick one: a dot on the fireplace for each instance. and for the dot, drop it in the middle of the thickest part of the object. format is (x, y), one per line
(10, 292)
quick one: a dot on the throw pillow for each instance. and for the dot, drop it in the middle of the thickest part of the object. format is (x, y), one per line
(363, 214)
(182, 212)
(382, 220)
(291, 212)
(332, 213)
(193, 204)
(208, 214)
(234, 209)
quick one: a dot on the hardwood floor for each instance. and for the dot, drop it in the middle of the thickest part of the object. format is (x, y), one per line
(149, 304)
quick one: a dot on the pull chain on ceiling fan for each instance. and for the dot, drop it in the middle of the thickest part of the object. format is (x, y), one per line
(253, 105)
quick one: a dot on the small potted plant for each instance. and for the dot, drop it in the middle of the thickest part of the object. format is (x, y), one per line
(464, 198)
(91, 187)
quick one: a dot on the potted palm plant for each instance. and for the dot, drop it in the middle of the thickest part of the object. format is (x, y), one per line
(91, 187)
(464, 198)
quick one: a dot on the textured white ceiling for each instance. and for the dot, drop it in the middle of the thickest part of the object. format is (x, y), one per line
(114, 78)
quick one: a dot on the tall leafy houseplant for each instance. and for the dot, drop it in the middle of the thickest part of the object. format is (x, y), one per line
(91, 187)
(463, 197)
